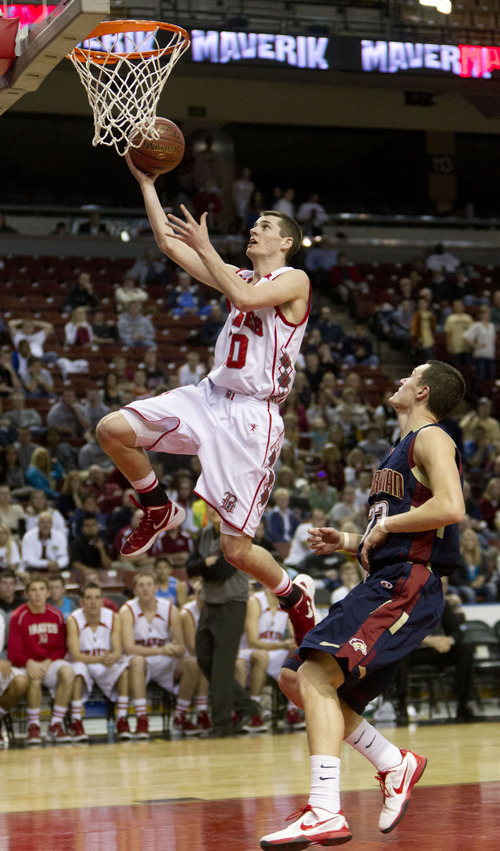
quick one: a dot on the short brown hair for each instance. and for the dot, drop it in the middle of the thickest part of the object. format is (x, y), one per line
(145, 573)
(288, 227)
(36, 577)
(446, 387)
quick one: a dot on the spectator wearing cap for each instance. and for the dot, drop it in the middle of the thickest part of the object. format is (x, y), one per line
(322, 495)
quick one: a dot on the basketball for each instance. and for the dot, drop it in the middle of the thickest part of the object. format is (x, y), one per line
(158, 156)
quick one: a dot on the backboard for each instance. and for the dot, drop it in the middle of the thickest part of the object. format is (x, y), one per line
(47, 42)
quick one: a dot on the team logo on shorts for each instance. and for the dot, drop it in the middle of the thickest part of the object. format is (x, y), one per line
(386, 584)
(229, 502)
(358, 644)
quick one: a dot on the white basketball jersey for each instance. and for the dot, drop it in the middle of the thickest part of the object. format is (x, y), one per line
(94, 641)
(256, 351)
(156, 633)
(272, 625)
(192, 608)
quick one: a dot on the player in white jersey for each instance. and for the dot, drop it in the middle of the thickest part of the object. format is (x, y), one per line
(231, 419)
(13, 681)
(95, 650)
(263, 649)
(152, 635)
(190, 617)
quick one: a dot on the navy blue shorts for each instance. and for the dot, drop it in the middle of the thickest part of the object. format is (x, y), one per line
(374, 627)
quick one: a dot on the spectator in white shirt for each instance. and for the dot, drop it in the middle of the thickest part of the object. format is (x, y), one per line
(192, 371)
(43, 548)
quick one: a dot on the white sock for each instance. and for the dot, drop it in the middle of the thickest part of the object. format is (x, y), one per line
(182, 706)
(3, 712)
(122, 708)
(370, 743)
(325, 783)
(255, 697)
(76, 710)
(33, 716)
(284, 587)
(58, 713)
(140, 706)
(148, 483)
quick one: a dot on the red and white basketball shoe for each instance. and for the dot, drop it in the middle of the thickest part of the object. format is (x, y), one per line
(77, 731)
(182, 724)
(303, 615)
(203, 721)
(56, 735)
(314, 826)
(255, 725)
(294, 719)
(155, 520)
(142, 728)
(396, 785)
(33, 736)
(122, 729)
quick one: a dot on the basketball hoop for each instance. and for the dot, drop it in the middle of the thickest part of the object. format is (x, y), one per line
(123, 68)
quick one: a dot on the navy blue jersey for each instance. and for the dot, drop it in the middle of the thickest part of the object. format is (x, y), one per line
(398, 486)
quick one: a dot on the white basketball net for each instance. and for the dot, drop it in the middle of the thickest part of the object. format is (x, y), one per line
(124, 74)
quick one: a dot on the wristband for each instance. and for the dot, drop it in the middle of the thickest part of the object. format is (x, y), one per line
(383, 527)
(344, 542)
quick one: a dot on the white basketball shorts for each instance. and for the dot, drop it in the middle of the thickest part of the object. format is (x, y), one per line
(275, 663)
(161, 670)
(50, 678)
(6, 679)
(237, 439)
(105, 678)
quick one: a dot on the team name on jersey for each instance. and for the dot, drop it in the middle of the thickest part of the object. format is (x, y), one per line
(152, 642)
(388, 481)
(270, 635)
(43, 628)
(95, 652)
(249, 320)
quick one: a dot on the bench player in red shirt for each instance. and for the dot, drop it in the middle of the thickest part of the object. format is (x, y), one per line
(37, 644)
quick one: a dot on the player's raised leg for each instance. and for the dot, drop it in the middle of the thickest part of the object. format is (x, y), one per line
(119, 441)
(296, 597)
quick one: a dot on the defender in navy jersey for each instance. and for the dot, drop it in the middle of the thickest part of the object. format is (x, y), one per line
(231, 420)
(352, 655)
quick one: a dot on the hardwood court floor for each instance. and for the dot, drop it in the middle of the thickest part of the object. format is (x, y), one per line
(196, 795)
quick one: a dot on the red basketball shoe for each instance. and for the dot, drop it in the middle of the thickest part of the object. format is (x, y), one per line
(56, 734)
(142, 729)
(255, 725)
(182, 724)
(396, 785)
(303, 615)
(77, 731)
(33, 736)
(203, 721)
(122, 729)
(155, 520)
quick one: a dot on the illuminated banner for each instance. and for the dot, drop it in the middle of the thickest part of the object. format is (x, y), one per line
(222, 47)
(463, 60)
(28, 14)
(345, 53)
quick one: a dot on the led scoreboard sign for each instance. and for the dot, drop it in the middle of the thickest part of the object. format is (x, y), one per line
(311, 53)
(464, 60)
(224, 47)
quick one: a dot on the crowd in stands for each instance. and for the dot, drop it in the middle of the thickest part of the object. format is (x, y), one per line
(83, 339)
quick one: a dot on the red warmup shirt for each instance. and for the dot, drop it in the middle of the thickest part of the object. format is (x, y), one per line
(38, 637)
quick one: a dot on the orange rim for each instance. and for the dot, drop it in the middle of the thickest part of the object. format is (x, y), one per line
(81, 54)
